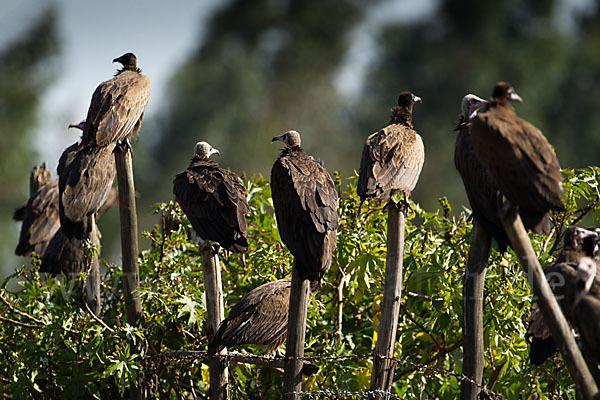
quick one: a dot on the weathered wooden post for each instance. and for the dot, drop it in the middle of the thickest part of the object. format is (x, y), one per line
(219, 389)
(129, 246)
(294, 346)
(472, 342)
(383, 362)
(553, 316)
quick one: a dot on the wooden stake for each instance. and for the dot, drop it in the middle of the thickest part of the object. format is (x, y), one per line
(561, 333)
(219, 376)
(383, 362)
(129, 248)
(294, 346)
(473, 312)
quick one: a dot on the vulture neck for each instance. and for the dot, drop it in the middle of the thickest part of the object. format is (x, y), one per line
(289, 150)
(461, 123)
(402, 116)
(128, 68)
(499, 102)
(570, 255)
(199, 160)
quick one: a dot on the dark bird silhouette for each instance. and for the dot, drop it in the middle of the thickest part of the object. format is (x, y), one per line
(214, 200)
(39, 215)
(67, 255)
(393, 157)
(85, 176)
(586, 307)
(260, 317)
(305, 202)
(117, 107)
(577, 244)
(517, 155)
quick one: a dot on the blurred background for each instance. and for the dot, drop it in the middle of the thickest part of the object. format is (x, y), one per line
(236, 73)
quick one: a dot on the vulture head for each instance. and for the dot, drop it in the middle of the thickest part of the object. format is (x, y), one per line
(79, 125)
(407, 99)
(204, 150)
(470, 104)
(575, 237)
(504, 92)
(39, 177)
(586, 273)
(291, 139)
(129, 62)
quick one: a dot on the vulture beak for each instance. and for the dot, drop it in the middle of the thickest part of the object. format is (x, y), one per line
(80, 125)
(215, 151)
(475, 106)
(276, 138)
(512, 95)
(416, 99)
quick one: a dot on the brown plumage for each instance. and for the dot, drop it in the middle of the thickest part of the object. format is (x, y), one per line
(214, 201)
(305, 202)
(260, 317)
(578, 243)
(66, 254)
(85, 176)
(117, 107)
(392, 158)
(586, 307)
(517, 155)
(39, 215)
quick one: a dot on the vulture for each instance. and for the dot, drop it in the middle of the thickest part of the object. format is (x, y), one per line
(39, 215)
(85, 176)
(260, 317)
(117, 105)
(578, 243)
(393, 157)
(586, 307)
(517, 155)
(305, 202)
(214, 201)
(66, 254)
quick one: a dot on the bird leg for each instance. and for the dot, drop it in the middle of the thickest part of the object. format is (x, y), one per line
(402, 204)
(124, 144)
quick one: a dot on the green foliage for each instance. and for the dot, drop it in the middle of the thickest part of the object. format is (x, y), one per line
(52, 346)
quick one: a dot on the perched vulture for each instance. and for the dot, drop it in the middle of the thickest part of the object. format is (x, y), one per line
(39, 215)
(260, 317)
(213, 200)
(586, 308)
(66, 254)
(517, 155)
(393, 157)
(117, 105)
(305, 202)
(85, 176)
(578, 244)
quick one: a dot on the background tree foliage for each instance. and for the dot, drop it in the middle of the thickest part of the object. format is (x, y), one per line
(50, 346)
(25, 71)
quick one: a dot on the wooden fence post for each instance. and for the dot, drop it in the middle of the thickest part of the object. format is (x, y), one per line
(473, 312)
(553, 316)
(383, 362)
(129, 248)
(296, 331)
(219, 377)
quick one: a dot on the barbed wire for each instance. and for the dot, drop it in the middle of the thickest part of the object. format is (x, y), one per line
(264, 360)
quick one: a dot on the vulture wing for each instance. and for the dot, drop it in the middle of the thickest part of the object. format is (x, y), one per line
(305, 202)
(86, 174)
(392, 159)
(260, 317)
(215, 203)
(40, 220)
(117, 108)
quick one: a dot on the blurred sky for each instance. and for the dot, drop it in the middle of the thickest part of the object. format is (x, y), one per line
(161, 34)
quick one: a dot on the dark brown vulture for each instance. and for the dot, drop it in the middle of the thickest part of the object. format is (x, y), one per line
(85, 176)
(117, 105)
(517, 155)
(578, 243)
(66, 254)
(586, 307)
(39, 215)
(214, 200)
(260, 317)
(305, 202)
(393, 157)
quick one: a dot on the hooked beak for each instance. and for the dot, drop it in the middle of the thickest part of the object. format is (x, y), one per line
(79, 125)
(277, 138)
(416, 99)
(215, 151)
(512, 95)
(475, 106)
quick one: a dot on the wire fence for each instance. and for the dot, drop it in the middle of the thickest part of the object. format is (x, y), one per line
(277, 361)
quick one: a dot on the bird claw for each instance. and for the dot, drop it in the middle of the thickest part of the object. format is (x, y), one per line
(124, 145)
(402, 205)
